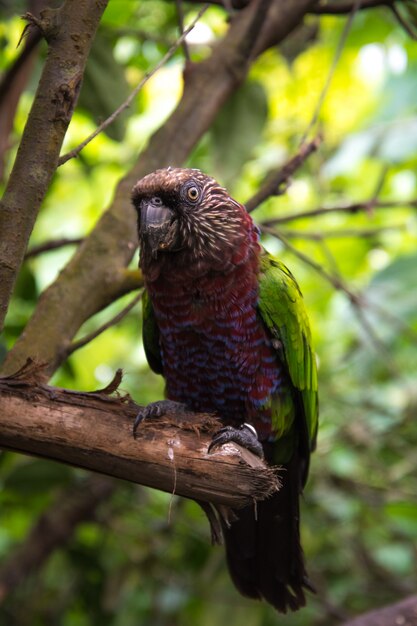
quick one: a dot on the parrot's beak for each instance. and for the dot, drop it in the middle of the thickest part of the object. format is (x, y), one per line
(156, 227)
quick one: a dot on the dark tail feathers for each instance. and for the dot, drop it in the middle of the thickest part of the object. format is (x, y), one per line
(263, 547)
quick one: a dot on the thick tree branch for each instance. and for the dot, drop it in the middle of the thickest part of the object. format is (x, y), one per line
(94, 431)
(70, 31)
(402, 613)
(53, 529)
(93, 276)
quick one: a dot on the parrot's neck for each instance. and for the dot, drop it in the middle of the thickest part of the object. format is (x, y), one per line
(210, 254)
(216, 355)
(224, 277)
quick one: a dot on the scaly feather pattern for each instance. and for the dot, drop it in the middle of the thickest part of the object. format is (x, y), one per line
(225, 324)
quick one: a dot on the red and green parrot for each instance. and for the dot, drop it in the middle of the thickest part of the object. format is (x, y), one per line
(225, 324)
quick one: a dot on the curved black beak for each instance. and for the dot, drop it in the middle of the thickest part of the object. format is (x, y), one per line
(155, 226)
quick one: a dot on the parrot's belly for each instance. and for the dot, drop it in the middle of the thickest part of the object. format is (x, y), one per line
(225, 365)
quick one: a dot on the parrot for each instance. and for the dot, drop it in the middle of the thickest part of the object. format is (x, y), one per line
(225, 324)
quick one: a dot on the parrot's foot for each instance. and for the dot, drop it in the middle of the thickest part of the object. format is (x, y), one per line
(246, 436)
(158, 409)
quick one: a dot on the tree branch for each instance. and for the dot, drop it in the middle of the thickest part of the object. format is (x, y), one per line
(353, 208)
(346, 6)
(13, 82)
(180, 18)
(76, 345)
(403, 612)
(77, 294)
(276, 182)
(405, 25)
(94, 431)
(70, 31)
(52, 244)
(355, 233)
(338, 53)
(357, 299)
(323, 7)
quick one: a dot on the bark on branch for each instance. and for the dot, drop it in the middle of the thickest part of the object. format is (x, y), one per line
(94, 431)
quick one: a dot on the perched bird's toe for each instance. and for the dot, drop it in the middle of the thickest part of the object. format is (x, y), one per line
(246, 436)
(157, 409)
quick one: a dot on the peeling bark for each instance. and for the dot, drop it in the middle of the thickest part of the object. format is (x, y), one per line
(94, 431)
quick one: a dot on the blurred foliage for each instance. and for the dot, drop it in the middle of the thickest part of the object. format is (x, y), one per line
(147, 559)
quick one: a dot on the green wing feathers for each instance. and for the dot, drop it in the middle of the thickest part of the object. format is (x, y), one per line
(282, 309)
(150, 335)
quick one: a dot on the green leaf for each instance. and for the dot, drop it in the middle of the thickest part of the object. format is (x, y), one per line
(404, 515)
(237, 130)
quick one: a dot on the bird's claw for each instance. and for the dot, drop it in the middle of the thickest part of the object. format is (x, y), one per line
(246, 436)
(157, 409)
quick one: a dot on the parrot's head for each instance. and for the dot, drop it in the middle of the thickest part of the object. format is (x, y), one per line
(186, 219)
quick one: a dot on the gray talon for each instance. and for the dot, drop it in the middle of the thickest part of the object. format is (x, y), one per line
(246, 436)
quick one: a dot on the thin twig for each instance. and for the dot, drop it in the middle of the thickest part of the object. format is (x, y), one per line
(354, 207)
(338, 234)
(76, 345)
(344, 7)
(336, 282)
(380, 346)
(276, 182)
(356, 298)
(338, 53)
(180, 15)
(73, 153)
(338, 7)
(53, 244)
(330, 258)
(403, 22)
(139, 33)
(379, 184)
(10, 73)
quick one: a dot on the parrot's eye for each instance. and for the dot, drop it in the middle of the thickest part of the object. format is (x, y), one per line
(193, 194)
(156, 201)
